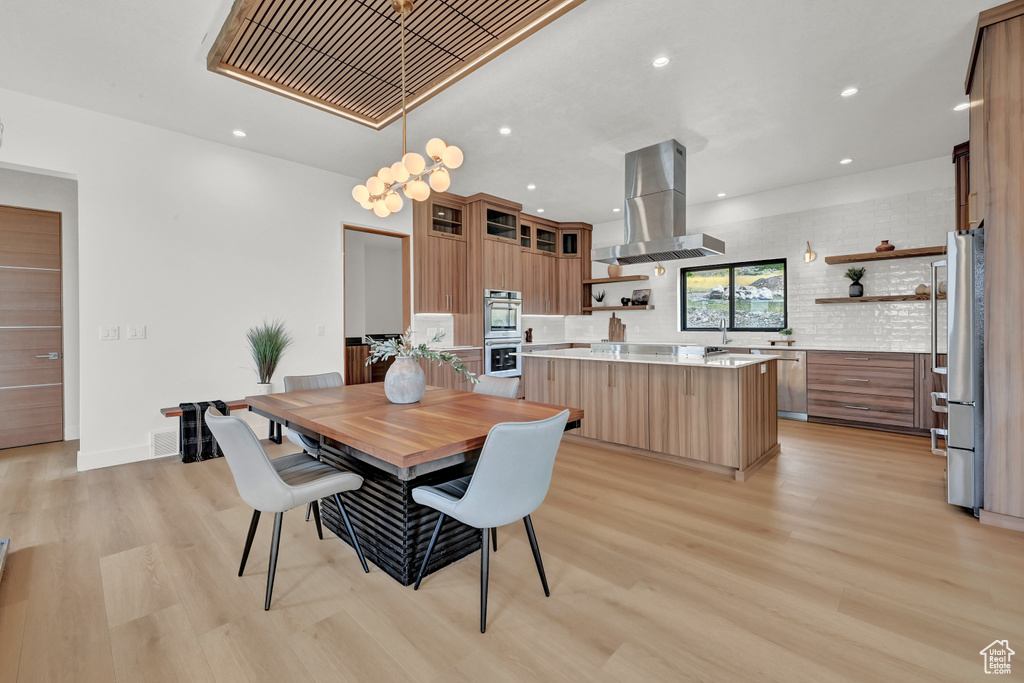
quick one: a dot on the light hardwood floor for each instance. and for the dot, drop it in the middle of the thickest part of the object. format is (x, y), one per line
(838, 561)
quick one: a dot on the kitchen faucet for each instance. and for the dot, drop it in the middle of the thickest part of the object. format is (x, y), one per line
(723, 325)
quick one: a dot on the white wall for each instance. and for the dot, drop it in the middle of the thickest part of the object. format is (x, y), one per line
(911, 206)
(355, 284)
(197, 241)
(382, 291)
(21, 186)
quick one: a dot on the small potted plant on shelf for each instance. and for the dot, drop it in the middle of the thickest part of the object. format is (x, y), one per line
(856, 288)
(267, 343)
(598, 297)
(404, 381)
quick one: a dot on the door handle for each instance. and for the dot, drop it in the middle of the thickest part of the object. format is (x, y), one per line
(937, 395)
(52, 355)
(856, 380)
(934, 336)
(609, 375)
(853, 358)
(936, 432)
(857, 408)
(972, 208)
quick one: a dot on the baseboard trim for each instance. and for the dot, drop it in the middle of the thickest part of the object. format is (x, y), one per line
(118, 456)
(1001, 520)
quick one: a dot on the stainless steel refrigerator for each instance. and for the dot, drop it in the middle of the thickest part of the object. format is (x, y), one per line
(964, 396)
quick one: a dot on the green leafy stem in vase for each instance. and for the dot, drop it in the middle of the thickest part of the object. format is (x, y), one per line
(855, 274)
(404, 347)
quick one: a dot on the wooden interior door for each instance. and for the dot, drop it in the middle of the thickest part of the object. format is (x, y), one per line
(31, 352)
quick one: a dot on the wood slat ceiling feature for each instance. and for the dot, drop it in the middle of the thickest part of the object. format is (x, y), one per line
(343, 56)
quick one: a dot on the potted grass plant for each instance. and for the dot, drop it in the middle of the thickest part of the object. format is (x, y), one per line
(856, 288)
(404, 381)
(267, 343)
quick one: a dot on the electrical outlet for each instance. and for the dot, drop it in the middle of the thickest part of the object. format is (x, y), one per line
(431, 331)
(109, 333)
(320, 330)
(636, 328)
(136, 331)
(543, 328)
(764, 368)
(590, 328)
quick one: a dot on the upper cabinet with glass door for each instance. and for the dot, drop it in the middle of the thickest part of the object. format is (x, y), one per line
(502, 225)
(446, 220)
(546, 240)
(569, 243)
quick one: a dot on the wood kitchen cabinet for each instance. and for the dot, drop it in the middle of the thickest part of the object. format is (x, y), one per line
(570, 286)
(502, 268)
(540, 284)
(441, 276)
(614, 399)
(961, 162)
(996, 89)
(686, 415)
(874, 390)
(552, 380)
(445, 377)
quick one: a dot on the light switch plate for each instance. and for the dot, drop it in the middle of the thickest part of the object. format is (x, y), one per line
(136, 331)
(764, 368)
(320, 330)
(109, 333)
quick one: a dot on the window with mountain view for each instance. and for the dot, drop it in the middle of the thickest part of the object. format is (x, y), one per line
(750, 296)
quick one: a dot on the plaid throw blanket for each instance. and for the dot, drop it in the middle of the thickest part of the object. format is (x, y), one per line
(197, 443)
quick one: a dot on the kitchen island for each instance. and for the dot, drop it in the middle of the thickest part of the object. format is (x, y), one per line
(717, 412)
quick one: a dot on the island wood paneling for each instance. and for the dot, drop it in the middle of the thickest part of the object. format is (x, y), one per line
(758, 400)
(615, 398)
(996, 88)
(693, 413)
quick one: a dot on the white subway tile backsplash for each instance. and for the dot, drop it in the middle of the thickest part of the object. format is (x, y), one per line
(918, 219)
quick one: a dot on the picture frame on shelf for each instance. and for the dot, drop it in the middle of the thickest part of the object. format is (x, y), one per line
(641, 297)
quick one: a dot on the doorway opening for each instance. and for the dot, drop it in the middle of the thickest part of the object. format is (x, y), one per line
(378, 302)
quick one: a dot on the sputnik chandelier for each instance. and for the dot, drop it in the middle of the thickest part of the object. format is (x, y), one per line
(380, 193)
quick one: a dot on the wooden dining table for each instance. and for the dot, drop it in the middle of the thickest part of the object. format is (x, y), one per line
(395, 448)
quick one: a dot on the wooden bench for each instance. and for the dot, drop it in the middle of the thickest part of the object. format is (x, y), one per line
(275, 427)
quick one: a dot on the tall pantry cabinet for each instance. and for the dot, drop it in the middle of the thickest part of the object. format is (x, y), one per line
(995, 84)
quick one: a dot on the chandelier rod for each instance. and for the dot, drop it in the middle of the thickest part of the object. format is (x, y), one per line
(403, 83)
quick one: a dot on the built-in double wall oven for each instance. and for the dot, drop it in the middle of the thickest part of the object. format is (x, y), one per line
(503, 333)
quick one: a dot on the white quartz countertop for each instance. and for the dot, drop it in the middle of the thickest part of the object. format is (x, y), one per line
(742, 345)
(727, 360)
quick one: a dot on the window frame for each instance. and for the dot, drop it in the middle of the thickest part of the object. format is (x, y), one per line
(731, 267)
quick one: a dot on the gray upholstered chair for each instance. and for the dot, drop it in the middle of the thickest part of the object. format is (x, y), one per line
(278, 485)
(511, 480)
(305, 383)
(497, 386)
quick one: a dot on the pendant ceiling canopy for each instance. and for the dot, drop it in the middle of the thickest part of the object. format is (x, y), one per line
(339, 55)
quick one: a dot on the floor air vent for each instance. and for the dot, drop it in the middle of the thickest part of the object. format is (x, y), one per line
(163, 443)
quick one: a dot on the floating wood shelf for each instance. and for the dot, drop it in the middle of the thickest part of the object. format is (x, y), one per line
(624, 278)
(885, 255)
(877, 299)
(618, 308)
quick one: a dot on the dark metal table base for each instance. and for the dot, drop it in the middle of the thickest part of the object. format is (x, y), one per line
(393, 529)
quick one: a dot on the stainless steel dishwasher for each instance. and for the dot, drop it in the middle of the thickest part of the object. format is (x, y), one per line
(792, 381)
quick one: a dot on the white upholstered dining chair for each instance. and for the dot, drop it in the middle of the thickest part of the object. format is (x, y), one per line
(278, 485)
(497, 386)
(511, 480)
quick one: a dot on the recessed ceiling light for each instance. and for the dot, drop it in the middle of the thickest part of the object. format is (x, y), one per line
(849, 92)
(660, 62)
(962, 106)
(540, 210)
(531, 186)
(616, 209)
(721, 194)
(505, 131)
(238, 133)
(845, 161)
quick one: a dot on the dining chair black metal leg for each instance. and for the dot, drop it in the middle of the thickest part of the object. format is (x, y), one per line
(315, 505)
(494, 538)
(430, 549)
(351, 532)
(275, 544)
(248, 539)
(536, 554)
(484, 562)
(309, 508)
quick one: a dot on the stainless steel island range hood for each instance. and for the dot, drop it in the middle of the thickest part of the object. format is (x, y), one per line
(656, 211)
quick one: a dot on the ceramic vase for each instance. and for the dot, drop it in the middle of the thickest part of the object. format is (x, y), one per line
(263, 388)
(885, 246)
(856, 289)
(404, 381)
